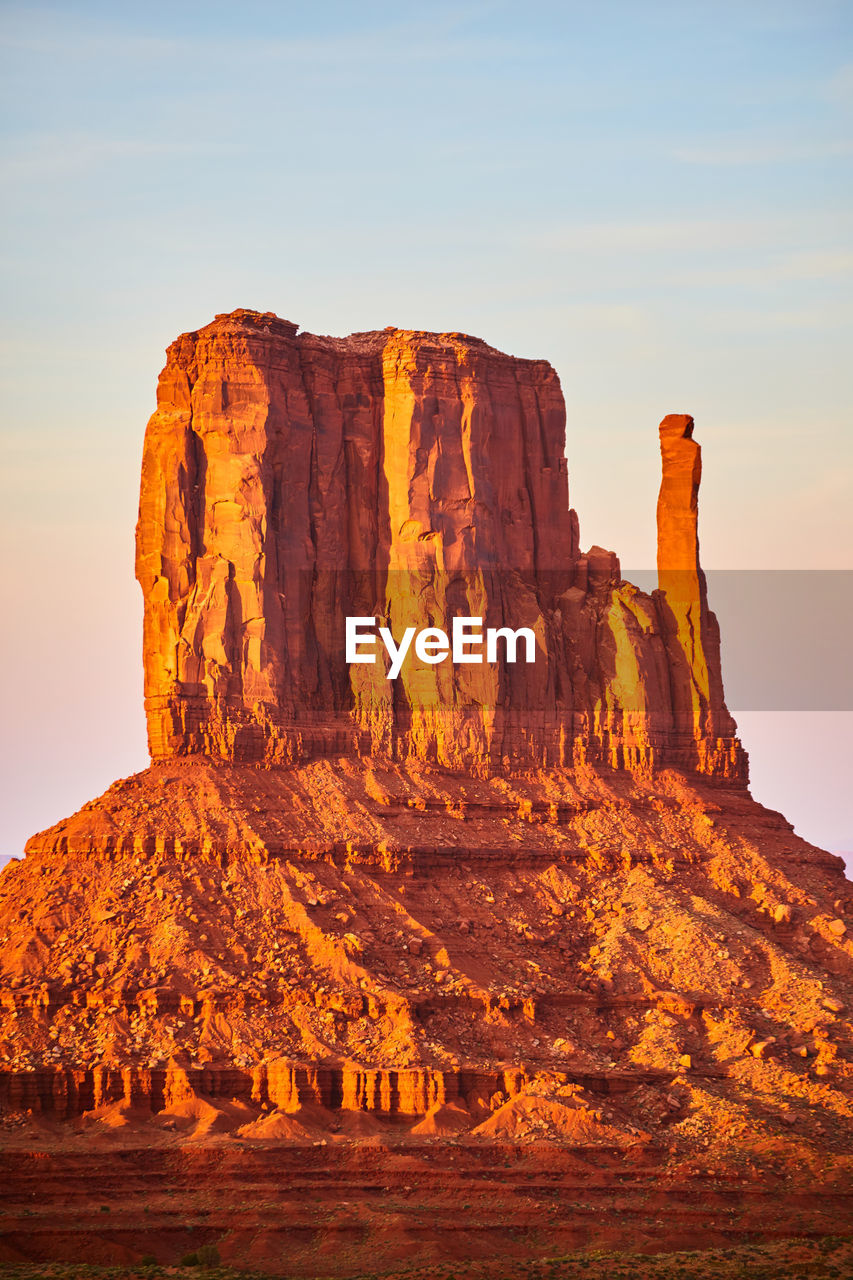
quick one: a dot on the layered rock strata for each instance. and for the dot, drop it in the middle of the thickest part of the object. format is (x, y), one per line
(370, 937)
(531, 909)
(290, 481)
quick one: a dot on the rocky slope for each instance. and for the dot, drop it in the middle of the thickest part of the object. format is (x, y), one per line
(525, 906)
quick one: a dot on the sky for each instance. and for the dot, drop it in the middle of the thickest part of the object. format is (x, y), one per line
(656, 197)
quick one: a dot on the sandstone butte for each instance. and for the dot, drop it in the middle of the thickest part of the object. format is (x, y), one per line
(505, 960)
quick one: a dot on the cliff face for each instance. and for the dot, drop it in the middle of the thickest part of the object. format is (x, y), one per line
(528, 950)
(690, 630)
(290, 481)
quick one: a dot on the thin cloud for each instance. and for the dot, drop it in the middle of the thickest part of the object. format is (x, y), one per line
(840, 86)
(777, 245)
(822, 318)
(605, 316)
(56, 155)
(750, 154)
(818, 264)
(446, 32)
(47, 32)
(668, 235)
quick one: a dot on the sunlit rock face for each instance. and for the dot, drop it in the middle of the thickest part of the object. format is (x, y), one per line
(525, 903)
(290, 481)
(690, 630)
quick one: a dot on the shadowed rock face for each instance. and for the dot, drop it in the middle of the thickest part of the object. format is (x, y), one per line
(291, 480)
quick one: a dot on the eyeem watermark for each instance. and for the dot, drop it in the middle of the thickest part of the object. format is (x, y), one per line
(432, 645)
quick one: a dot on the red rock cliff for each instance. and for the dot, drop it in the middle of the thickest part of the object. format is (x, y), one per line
(290, 480)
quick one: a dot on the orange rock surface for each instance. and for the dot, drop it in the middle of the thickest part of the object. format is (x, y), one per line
(452, 930)
(291, 480)
(692, 636)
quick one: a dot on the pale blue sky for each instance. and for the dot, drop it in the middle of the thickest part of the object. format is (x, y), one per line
(654, 196)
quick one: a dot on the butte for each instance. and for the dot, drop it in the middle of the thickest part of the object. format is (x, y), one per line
(505, 959)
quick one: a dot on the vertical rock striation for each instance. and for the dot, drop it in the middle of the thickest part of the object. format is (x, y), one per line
(291, 480)
(552, 941)
(690, 630)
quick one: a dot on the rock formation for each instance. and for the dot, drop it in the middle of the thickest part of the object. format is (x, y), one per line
(690, 630)
(291, 480)
(531, 909)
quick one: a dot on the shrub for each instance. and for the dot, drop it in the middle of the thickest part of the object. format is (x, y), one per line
(206, 1255)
